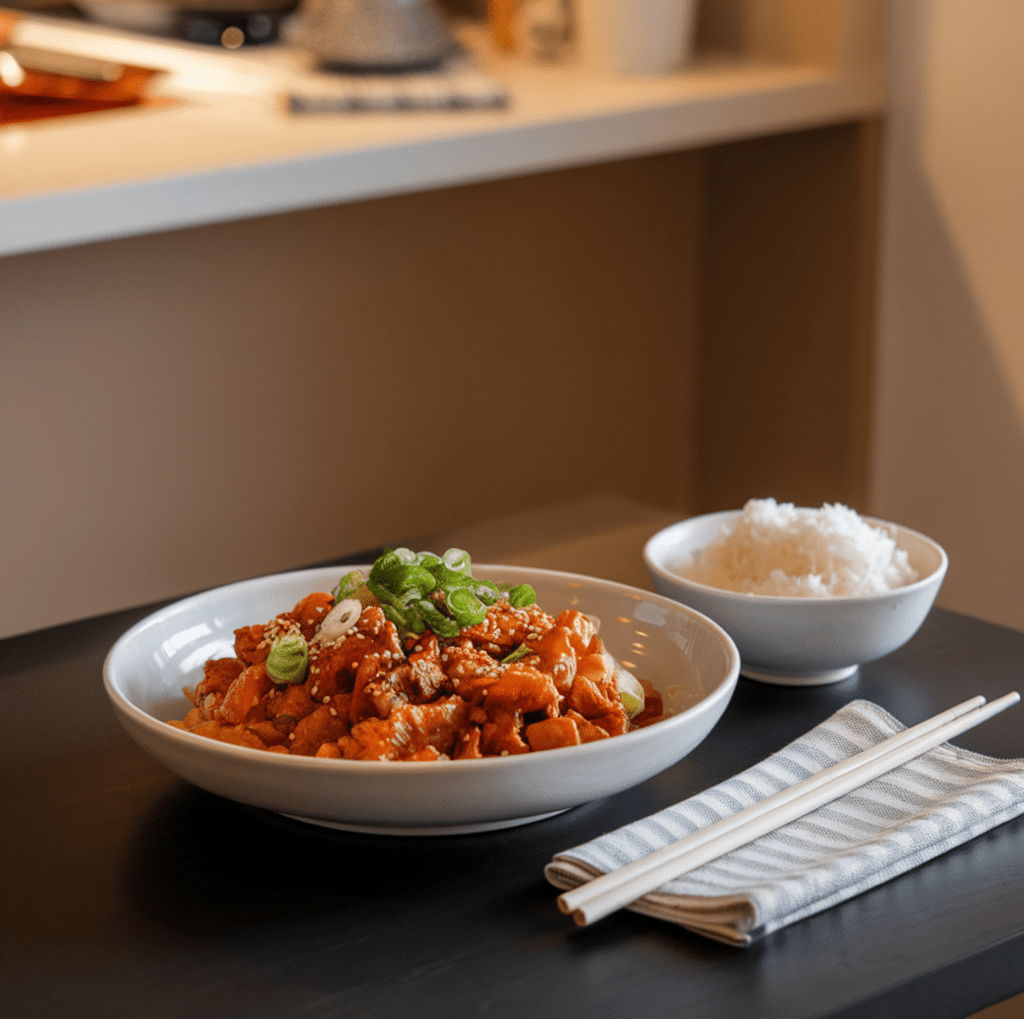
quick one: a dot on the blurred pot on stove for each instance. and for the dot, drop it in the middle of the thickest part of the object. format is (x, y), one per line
(230, 23)
(372, 35)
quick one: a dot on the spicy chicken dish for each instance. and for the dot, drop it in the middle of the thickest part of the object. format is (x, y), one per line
(418, 661)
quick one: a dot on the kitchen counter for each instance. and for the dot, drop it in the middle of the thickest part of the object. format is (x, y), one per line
(227, 148)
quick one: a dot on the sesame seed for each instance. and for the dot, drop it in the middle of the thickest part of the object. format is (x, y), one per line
(327, 699)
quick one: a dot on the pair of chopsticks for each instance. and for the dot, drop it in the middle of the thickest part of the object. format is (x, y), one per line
(603, 895)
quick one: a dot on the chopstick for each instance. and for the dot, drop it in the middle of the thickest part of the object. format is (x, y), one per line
(605, 894)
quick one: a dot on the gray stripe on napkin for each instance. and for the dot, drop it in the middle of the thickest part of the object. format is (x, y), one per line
(874, 833)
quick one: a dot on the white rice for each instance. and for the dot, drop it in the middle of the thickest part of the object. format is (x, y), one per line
(777, 549)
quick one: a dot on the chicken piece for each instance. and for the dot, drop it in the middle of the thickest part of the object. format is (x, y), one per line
(194, 717)
(552, 732)
(588, 730)
(427, 754)
(582, 631)
(470, 669)
(591, 698)
(288, 703)
(209, 706)
(322, 726)
(236, 734)
(271, 732)
(462, 659)
(500, 737)
(595, 689)
(467, 746)
(370, 672)
(505, 628)
(245, 693)
(390, 690)
(250, 646)
(409, 729)
(253, 643)
(615, 723)
(521, 688)
(218, 675)
(426, 678)
(311, 611)
(332, 666)
(557, 656)
(417, 681)
(329, 750)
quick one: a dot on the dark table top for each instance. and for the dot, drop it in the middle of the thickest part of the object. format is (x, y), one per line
(128, 892)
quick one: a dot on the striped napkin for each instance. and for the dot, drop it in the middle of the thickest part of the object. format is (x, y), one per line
(874, 833)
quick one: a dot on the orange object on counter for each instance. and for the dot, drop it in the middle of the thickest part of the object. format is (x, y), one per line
(500, 15)
(36, 84)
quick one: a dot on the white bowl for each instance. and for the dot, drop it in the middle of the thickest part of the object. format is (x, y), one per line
(800, 641)
(690, 659)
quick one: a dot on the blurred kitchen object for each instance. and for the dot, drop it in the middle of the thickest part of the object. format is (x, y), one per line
(635, 36)
(500, 16)
(372, 35)
(542, 29)
(230, 23)
(38, 83)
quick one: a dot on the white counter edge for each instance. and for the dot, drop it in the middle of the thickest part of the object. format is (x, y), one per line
(59, 218)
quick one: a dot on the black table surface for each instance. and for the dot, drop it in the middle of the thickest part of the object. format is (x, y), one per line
(128, 892)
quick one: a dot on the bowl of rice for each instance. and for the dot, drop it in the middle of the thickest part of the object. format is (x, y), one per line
(808, 595)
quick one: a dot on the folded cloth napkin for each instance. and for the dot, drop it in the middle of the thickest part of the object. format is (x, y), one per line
(874, 833)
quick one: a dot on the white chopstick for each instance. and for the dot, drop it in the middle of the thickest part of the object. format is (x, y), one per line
(612, 891)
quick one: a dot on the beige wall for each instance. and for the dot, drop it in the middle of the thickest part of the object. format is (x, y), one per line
(187, 409)
(190, 408)
(949, 425)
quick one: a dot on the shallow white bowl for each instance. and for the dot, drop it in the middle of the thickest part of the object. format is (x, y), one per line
(800, 641)
(690, 659)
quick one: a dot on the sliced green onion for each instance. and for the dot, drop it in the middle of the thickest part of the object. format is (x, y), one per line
(347, 586)
(457, 560)
(631, 693)
(521, 596)
(420, 578)
(397, 616)
(520, 652)
(486, 591)
(466, 607)
(437, 620)
(387, 560)
(381, 593)
(415, 620)
(288, 659)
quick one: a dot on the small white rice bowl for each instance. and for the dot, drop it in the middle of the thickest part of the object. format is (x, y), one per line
(867, 595)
